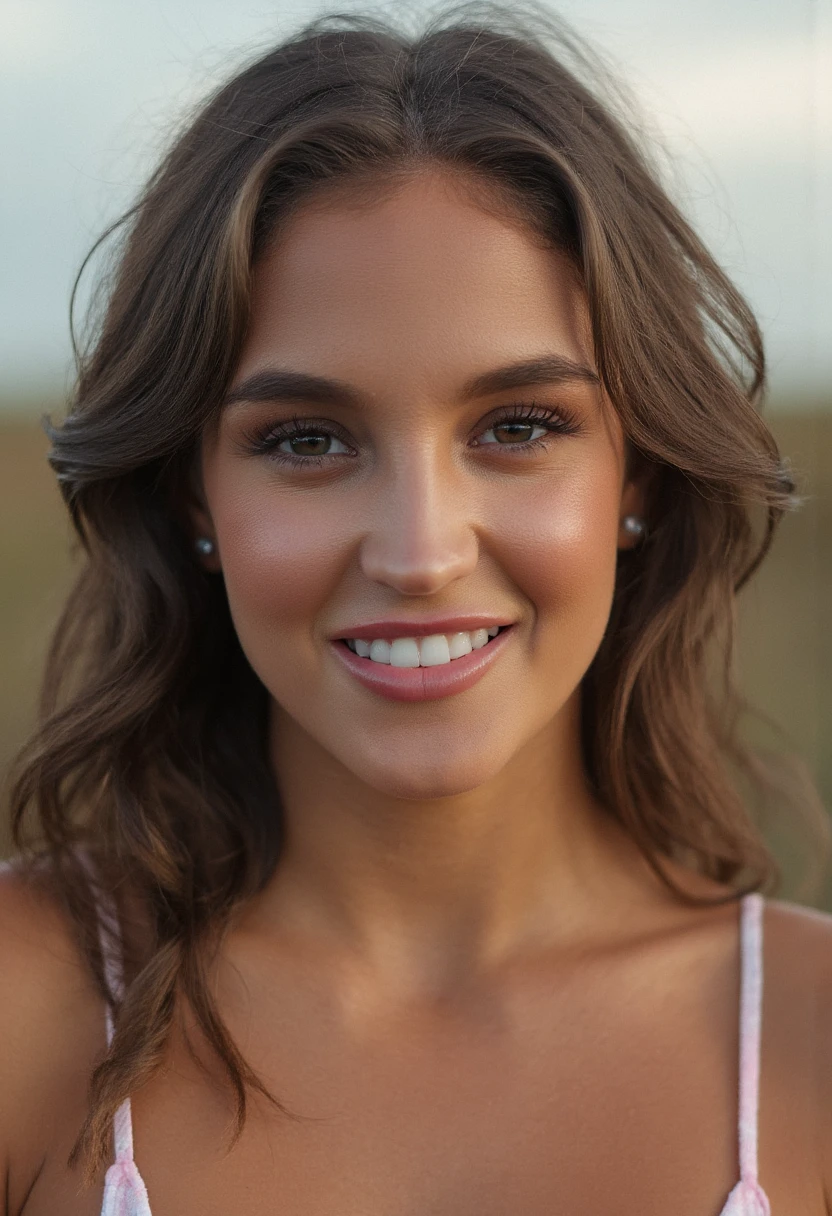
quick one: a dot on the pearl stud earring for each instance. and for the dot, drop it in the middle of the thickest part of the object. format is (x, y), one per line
(204, 546)
(633, 525)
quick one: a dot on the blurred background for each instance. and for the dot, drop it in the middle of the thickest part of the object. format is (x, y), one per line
(738, 95)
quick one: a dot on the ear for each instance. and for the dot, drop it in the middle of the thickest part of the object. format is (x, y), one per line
(635, 496)
(196, 515)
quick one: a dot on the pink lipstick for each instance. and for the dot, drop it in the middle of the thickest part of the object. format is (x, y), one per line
(424, 683)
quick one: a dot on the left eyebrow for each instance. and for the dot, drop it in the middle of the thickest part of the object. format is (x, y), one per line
(547, 369)
(285, 385)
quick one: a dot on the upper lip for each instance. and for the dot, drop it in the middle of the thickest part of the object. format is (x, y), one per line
(423, 627)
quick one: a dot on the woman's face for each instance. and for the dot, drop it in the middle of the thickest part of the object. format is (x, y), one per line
(450, 465)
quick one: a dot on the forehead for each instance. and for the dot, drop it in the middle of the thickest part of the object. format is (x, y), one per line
(430, 281)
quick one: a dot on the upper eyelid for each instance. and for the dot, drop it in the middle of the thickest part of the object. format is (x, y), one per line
(509, 409)
(526, 409)
(305, 424)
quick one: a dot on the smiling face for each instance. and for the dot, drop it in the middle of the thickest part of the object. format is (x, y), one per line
(417, 492)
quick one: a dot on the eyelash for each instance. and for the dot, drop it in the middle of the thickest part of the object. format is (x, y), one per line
(264, 442)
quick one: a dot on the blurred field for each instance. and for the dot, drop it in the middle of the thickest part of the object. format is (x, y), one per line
(785, 634)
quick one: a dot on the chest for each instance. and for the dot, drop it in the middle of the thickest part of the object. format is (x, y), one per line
(602, 1100)
(395, 1138)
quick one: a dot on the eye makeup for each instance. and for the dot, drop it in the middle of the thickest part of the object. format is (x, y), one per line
(312, 442)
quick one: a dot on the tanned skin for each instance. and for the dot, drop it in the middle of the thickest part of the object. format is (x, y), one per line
(462, 974)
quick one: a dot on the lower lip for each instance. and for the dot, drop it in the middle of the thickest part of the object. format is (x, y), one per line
(424, 683)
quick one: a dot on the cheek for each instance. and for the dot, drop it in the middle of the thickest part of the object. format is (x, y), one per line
(557, 540)
(282, 555)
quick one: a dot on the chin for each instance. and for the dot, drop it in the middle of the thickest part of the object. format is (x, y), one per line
(420, 777)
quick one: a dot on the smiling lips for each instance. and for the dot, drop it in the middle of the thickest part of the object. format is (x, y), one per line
(393, 660)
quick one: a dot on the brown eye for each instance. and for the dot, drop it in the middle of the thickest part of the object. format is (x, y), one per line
(311, 443)
(514, 432)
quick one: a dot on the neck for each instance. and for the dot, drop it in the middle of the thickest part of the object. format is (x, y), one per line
(426, 893)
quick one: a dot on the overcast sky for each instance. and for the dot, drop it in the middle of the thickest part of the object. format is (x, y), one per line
(740, 90)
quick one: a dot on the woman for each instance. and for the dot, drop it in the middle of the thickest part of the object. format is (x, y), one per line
(416, 461)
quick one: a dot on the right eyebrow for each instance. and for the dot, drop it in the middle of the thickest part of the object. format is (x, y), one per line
(277, 385)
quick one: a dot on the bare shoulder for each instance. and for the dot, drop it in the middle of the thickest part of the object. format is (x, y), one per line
(808, 925)
(51, 1027)
(798, 960)
(797, 1019)
(798, 956)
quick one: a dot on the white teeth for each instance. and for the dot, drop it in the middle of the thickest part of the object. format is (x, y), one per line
(431, 651)
(434, 650)
(380, 651)
(404, 652)
(459, 644)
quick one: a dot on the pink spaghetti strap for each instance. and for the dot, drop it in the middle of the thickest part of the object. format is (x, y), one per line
(751, 1000)
(109, 940)
(124, 1191)
(748, 1198)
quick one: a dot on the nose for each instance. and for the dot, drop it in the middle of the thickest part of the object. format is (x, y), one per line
(422, 536)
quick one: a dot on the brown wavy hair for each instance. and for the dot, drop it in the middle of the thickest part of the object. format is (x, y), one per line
(151, 748)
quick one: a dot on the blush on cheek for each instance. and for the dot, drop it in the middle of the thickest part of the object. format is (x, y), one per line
(281, 561)
(559, 545)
